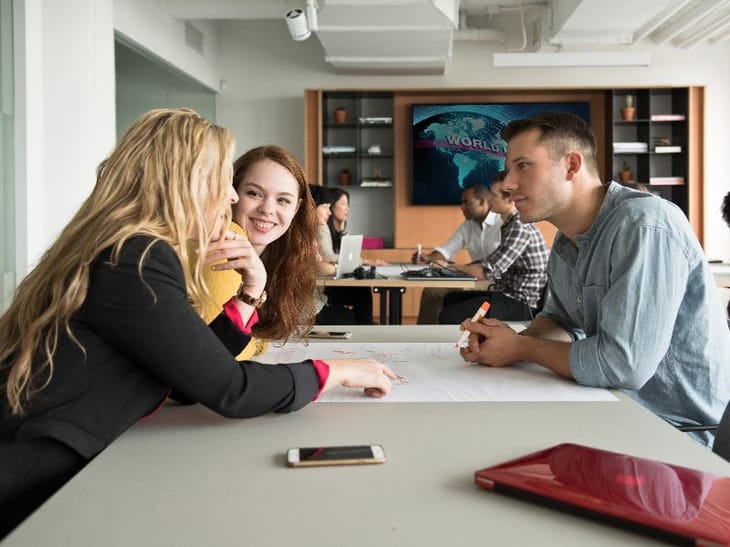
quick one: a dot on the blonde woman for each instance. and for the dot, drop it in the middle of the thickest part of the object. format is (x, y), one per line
(108, 323)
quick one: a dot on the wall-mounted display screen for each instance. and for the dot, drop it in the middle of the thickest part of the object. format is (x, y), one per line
(457, 145)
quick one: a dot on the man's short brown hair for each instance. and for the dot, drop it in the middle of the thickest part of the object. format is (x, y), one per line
(560, 132)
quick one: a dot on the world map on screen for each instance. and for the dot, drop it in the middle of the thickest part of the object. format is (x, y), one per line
(457, 145)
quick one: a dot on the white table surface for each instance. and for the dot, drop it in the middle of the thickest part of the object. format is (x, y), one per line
(188, 477)
(721, 272)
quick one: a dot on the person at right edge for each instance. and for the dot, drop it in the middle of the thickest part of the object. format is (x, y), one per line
(632, 303)
(726, 217)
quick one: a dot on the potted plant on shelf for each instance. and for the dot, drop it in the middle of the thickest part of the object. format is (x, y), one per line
(625, 175)
(628, 111)
(344, 177)
(341, 115)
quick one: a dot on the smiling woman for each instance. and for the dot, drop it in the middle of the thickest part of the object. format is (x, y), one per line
(276, 214)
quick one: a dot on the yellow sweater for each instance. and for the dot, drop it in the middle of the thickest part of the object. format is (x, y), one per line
(223, 285)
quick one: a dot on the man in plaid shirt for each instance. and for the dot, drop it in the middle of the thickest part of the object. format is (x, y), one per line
(517, 269)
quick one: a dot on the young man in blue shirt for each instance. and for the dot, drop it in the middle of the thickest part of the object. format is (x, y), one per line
(632, 302)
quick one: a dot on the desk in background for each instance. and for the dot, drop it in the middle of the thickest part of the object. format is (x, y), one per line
(391, 288)
(187, 477)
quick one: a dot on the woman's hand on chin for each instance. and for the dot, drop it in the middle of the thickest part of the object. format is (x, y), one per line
(235, 252)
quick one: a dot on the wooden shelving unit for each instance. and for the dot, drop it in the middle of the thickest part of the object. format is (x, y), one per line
(389, 211)
(362, 144)
(654, 144)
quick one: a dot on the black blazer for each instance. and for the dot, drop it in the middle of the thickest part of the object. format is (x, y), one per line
(142, 339)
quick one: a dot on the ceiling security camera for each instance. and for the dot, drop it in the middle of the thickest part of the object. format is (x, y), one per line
(297, 23)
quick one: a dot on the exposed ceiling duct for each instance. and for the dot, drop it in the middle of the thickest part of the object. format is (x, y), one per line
(370, 36)
(478, 34)
(417, 36)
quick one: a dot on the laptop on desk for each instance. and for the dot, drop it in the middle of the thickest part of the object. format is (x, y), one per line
(350, 249)
(436, 272)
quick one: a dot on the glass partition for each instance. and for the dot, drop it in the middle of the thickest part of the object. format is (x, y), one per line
(7, 191)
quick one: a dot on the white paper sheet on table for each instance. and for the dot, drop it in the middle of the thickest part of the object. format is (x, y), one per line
(435, 372)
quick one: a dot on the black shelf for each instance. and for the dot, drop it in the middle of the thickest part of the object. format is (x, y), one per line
(357, 134)
(356, 125)
(649, 164)
(372, 156)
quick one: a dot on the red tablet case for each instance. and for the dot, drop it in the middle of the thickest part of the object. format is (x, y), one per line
(666, 501)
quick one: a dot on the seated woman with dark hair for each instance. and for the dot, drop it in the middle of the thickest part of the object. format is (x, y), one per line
(356, 299)
(725, 209)
(339, 201)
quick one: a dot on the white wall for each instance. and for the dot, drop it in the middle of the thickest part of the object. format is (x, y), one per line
(144, 83)
(147, 24)
(65, 100)
(267, 73)
(64, 89)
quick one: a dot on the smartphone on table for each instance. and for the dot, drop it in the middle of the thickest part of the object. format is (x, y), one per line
(328, 334)
(335, 455)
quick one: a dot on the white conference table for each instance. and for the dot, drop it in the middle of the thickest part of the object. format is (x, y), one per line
(187, 477)
(721, 272)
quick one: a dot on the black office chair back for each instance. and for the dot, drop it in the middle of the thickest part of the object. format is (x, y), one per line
(721, 447)
(722, 437)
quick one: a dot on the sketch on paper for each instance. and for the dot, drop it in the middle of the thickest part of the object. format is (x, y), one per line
(435, 372)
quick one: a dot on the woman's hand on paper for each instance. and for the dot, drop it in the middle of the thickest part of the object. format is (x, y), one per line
(374, 376)
(491, 343)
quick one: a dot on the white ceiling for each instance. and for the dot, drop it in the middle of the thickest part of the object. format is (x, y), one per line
(416, 36)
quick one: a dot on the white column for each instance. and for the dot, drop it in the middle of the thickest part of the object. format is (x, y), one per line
(65, 108)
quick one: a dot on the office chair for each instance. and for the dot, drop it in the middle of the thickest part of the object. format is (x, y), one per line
(721, 429)
(721, 447)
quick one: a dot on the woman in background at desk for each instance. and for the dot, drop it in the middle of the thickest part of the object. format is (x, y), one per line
(350, 306)
(339, 201)
(359, 299)
(107, 324)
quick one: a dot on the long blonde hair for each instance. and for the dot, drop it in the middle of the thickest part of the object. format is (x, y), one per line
(168, 178)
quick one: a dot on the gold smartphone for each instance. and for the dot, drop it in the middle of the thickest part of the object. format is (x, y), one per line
(330, 335)
(335, 455)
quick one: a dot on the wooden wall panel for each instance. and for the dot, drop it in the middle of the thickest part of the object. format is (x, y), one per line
(313, 135)
(696, 175)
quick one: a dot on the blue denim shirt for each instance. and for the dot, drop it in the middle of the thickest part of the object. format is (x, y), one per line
(637, 295)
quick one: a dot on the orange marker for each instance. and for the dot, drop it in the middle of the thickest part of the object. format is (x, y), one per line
(481, 312)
